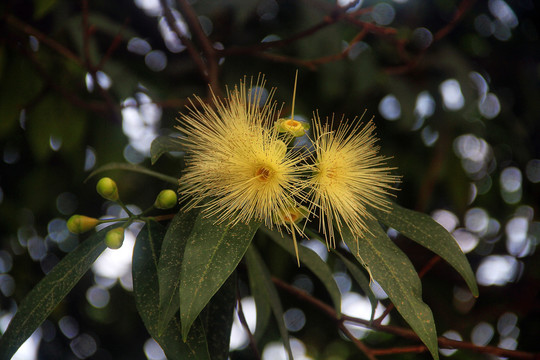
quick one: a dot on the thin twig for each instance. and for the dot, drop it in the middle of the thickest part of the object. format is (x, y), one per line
(359, 344)
(243, 321)
(205, 43)
(68, 95)
(88, 30)
(53, 44)
(114, 45)
(193, 52)
(404, 333)
(461, 10)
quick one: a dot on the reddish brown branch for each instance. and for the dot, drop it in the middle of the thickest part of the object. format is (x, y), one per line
(243, 321)
(114, 45)
(88, 30)
(359, 344)
(401, 350)
(398, 331)
(208, 50)
(193, 52)
(68, 95)
(29, 30)
(462, 9)
(338, 14)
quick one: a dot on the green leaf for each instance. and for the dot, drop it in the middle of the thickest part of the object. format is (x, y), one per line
(170, 265)
(314, 263)
(430, 234)
(134, 168)
(391, 268)
(258, 288)
(258, 271)
(49, 292)
(145, 288)
(164, 144)
(217, 319)
(43, 7)
(212, 253)
(361, 279)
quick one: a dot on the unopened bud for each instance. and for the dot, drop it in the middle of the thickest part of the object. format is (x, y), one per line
(166, 199)
(293, 214)
(114, 238)
(292, 127)
(107, 188)
(78, 224)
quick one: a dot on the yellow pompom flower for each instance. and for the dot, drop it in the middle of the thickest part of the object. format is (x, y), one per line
(237, 168)
(348, 176)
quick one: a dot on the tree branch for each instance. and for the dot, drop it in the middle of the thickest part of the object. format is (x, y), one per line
(404, 333)
(29, 30)
(193, 52)
(206, 45)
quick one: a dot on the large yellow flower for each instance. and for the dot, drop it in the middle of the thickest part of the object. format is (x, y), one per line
(236, 162)
(347, 176)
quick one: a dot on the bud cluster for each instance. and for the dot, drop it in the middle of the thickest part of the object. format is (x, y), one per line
(107, 188)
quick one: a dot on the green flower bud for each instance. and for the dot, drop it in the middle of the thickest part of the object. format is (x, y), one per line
(166, 199)
(293, 214)
(107, 188)
(78, 224)
(292, 127)
(114, 238)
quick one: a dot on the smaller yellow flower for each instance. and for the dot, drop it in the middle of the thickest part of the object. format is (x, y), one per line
(348, 176)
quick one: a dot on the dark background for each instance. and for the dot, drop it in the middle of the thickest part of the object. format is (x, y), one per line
(472, 150)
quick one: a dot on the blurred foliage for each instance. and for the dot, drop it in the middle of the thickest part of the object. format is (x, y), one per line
(52, 124)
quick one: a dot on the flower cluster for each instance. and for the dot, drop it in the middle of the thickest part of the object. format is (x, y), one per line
(241, 165)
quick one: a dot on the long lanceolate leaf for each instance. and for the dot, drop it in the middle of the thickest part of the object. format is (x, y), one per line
(170, 265)
(211, 255)
(48, 293)
(164, 144)
(430, 234)
(314, 263)
(217, 319)
(258, 272)
(145, 288)
(362, 281)
(392, 269)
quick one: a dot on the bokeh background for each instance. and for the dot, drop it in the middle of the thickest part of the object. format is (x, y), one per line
(454, 87)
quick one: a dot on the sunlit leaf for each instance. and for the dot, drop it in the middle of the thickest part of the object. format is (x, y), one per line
(314, 263)
(170, 265)
(391, 268)
(145, 288)
(259, 272)
(135, 168)
(162, 145)
(212, 253)
(430, 234)
(362, 281)
(49, 292)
